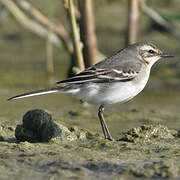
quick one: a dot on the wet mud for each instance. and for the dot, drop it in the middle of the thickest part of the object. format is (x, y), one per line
(149, 151)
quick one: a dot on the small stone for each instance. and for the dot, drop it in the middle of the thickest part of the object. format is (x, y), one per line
(51, 130)
(37, 127)
(24, 134)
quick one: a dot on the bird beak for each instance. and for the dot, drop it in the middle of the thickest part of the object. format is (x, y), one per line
(166, 55)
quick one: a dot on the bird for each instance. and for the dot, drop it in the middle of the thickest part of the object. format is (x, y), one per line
(116, 79)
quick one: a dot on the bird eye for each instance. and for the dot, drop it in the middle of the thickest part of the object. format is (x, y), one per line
(151, 51)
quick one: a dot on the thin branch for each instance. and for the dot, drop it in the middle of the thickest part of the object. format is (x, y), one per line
(76, 37)
(28, 23)
(132, 21)
(158, 19)
(88, 35)
(57, 28)
(49, 55)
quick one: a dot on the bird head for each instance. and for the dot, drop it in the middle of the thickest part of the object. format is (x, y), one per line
(149, 53)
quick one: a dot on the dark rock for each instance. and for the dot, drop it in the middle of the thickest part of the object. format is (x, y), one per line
(51, 130)
(2, 138)
(23, 134)
(37, 127)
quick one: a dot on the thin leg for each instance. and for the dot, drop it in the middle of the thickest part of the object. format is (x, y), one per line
(102, 125)
(105, 129)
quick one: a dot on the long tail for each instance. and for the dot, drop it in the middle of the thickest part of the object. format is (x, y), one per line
(36, 93)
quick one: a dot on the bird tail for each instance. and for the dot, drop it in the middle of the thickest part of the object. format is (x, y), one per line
(36, 93)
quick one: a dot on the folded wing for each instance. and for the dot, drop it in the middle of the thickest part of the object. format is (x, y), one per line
(98, 75)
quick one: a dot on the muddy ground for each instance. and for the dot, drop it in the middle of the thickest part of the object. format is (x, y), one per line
(149, 151)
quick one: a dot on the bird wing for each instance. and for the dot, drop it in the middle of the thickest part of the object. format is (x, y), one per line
(101, 75)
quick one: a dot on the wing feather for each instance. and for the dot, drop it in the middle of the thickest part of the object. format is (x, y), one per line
(100, 76)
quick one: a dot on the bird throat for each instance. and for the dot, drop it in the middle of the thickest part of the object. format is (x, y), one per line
(146, 62)
(143, 60)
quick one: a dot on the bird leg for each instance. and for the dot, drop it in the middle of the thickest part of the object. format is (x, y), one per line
(105, 129)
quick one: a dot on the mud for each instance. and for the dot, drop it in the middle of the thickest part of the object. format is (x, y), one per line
(144, 152)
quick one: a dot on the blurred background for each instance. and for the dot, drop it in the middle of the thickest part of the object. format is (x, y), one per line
(42, 42)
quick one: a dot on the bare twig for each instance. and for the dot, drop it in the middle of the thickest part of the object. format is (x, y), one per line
(132, 21)
(57, 28)
(76, 37)
(28, 23)
(158, 19)
(49, 55)
(88, 35)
